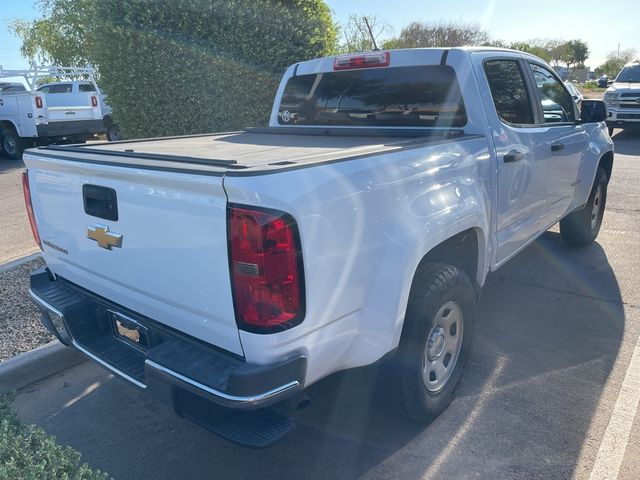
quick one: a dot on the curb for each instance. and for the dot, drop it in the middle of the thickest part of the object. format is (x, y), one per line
(5, 267)
(30, 367)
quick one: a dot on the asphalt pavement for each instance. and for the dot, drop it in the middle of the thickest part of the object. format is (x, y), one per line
(551, 391)
(16, 239)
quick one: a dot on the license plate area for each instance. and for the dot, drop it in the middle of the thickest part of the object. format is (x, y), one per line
(129, 330)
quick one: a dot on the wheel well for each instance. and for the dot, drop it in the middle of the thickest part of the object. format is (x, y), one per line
(460, 250)
(7, 125)
(606, 162)
(107, 120)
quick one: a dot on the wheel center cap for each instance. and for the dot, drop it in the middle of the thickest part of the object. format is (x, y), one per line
(436, 343)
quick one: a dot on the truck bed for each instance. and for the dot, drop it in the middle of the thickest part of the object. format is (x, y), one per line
(255, 149)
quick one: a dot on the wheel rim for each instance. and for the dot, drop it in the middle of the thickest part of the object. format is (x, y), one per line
(595, 210)
(442, 346)
(10, 145)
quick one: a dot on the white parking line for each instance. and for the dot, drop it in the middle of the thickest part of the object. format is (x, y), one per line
(616, 437)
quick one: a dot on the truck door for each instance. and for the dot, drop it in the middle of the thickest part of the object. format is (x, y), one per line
(563, 145)
(515, 128)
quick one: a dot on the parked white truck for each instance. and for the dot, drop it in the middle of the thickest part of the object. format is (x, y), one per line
(229, 272)
(72, 94)
(29, 117)
(622, 98)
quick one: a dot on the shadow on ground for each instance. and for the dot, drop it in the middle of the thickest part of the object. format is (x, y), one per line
(551, 323)
(627, 142)
(7, 165)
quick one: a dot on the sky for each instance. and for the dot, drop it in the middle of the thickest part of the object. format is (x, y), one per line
(602, 24)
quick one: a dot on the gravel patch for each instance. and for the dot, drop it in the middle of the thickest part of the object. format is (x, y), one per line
(20, 327)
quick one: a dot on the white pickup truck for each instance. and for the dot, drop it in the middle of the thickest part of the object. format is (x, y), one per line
(226, 273)
(30, 116)
(67, 98)
(622, 98)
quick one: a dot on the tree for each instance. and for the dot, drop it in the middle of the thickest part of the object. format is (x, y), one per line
(188, 66)
(558, 51)
(175, 67)
(615, 61)
(534, 47)
(555, 52)
(575, 53)
(439, 34)
(356, 33)
(61, 36)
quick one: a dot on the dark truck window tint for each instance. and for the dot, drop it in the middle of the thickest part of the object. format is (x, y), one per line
(629, 74)
(86, 87)
(557, 105)
(420, 96)
(509, 92)
(60, 88)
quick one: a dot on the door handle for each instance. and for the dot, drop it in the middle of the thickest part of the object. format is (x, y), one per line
(556, 147)
(512, 156)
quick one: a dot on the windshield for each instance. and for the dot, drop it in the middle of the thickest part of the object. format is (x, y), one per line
(418, 96)
(629, 74)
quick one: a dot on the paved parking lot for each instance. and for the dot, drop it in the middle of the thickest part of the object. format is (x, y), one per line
(551, 391)
(16, 239)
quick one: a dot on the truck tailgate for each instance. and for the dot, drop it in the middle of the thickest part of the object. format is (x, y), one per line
(65, 107)
(172, 265)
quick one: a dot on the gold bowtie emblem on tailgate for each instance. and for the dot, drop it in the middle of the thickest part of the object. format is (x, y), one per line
(105, 238)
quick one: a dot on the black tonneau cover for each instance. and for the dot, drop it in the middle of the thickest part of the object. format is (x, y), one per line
(255, 149)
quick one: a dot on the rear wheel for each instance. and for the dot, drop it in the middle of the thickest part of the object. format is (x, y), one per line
(422, 379)
(581, 227)
(113, 133)
(12, 144)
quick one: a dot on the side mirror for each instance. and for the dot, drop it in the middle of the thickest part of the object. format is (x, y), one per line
(593, 111)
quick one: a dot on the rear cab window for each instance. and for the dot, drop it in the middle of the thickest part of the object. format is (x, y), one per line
(56, 88)
(412, 96)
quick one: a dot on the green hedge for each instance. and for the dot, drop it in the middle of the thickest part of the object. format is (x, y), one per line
(27, 452)
(174, 67)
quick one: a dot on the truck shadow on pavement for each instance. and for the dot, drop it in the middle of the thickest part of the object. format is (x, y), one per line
(551, 323)
(7, 165)
(627, 142)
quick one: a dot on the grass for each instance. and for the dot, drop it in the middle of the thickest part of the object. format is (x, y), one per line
(592, 86)
(27, 452)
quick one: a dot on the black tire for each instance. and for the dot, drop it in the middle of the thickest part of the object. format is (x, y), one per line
(402, 387)
(12, 145)
(113, 133)
(581, 227)
(610, 131)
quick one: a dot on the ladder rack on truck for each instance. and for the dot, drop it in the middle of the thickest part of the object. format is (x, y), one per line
(28, 119)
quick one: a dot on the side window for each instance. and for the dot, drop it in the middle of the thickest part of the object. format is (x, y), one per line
(86, 87)
(556, 102)
(44, 90)
(509, 91)
(61, 88)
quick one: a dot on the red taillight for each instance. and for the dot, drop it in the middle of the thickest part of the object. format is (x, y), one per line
(266, 269)
(38, 102)
(362, 60)
(27, 200)
(94, 101)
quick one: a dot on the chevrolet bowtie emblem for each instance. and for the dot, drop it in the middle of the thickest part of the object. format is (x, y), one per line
(105, 238)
